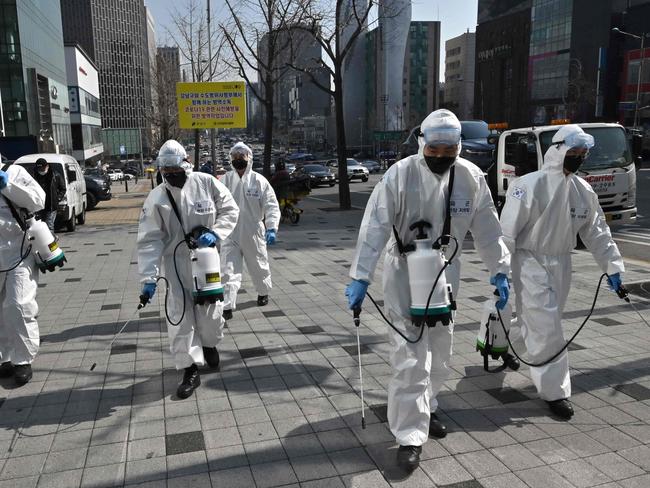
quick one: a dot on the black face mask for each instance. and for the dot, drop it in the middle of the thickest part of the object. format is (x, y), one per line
(439, 164)
(239, 164)
(573, 163)
(176, 179)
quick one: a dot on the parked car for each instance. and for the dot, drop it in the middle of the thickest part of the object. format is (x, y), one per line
(318, 174)
(115, 174)
(373, 166)
(356, 171)
(72, 207)
(98, 187)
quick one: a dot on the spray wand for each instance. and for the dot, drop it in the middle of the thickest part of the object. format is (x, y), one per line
(357, 321)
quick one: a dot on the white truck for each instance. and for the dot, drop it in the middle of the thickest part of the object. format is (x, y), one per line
(610, 167)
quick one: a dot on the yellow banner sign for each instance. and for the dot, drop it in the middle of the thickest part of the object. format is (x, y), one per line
(211, 105)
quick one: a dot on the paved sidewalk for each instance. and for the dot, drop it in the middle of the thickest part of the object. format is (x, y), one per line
(284, 409)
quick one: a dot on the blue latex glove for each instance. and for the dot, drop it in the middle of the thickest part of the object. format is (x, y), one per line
(148, 291)
(356, 292)
(500, 281)
(614, 281)
(4, 179)
(270, 236)
(207, 239)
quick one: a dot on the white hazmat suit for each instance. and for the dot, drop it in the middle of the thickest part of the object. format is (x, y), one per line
(203, 201)
(19, 336)
(258, 210)
(544, 212)
(407, 193)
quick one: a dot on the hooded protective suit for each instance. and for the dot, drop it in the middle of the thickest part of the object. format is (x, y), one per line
(408, 192)
(19, 337)
(259, 209)
(544, 212)
(203, 201)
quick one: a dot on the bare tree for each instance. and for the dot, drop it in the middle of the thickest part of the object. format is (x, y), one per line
(260, 46)
(336, 25)
(191, 34)
(165, 116)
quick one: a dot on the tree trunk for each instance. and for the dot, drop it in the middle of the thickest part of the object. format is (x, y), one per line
(268, 125)
(345, 203)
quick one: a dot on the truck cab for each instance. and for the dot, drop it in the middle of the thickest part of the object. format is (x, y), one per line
(610, 167)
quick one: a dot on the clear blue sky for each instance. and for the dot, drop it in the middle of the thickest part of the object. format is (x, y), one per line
(456, 16)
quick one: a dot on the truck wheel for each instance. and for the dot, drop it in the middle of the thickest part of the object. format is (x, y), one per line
(70, 225)
(364, 179)
(92, 200)
(81, 218)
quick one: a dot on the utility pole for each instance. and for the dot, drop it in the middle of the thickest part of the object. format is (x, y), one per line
(213, 151)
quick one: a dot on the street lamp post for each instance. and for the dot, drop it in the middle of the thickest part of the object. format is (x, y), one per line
(641, 59)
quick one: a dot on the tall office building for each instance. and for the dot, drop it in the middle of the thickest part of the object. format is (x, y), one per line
(459, 75)
(167, 74)
(33, 84)
(114, 34)
(151, 58)
(295, 95)
(418, 96)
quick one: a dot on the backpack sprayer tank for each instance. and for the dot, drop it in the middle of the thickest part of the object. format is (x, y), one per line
(48, 253)
(425, 264)
(206, 275)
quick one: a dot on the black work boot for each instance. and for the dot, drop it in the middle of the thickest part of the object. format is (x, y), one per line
(22, 373)
(227, 314)
(436, 428)
(408, 457)
(262, 300)
(6, 370)
(562, 408)
(511, 362)
(191, 381)
(211, 356)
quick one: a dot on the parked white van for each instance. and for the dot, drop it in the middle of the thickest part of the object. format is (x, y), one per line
(72, 208)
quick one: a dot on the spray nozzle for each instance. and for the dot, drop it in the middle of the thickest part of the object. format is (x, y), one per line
(144, 300)
(623, 293)
(420, 225)
(356, 312)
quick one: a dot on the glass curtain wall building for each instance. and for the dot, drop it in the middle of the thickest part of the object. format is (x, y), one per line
(33, 81)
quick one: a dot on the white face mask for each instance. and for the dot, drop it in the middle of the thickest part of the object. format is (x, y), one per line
(42, 171)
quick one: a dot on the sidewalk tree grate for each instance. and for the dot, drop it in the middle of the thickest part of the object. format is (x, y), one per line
(279, 258)
(340, 261)
(576, 347)
(380, 411)
(319, 274)
(507, 395)
(102, 254)
(72, 280)
(123, 348)
(109, 243)
(68, 251)
(133, 262)
(252, 352)
(291, 249)
(330, 245)
(469, 280)
(184, 442)
(641, 289)
(352, 350)
(607, 322)
(112, 306)
(89, 243)
(634, 390)
(274, 313)
(464, 484)
(97, 292)
(299, 282)
(311, 329)
(116, 250)
(42, 285)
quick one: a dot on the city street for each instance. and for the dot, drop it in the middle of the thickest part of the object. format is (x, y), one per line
(634, 240)
(284, 408)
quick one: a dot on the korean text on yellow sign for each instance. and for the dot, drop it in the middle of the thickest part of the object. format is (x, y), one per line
(211, 105)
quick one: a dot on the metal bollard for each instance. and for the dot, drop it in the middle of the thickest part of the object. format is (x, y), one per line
(126, 185)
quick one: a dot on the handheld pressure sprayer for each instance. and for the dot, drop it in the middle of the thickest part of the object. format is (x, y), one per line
(495, 341)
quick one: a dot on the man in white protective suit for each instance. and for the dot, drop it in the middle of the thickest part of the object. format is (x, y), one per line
(544, 212)
(186, 202)
(19, 337)
(259, 218)
(414, 189)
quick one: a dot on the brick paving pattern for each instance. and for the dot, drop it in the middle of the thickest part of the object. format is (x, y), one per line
(284, 408)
